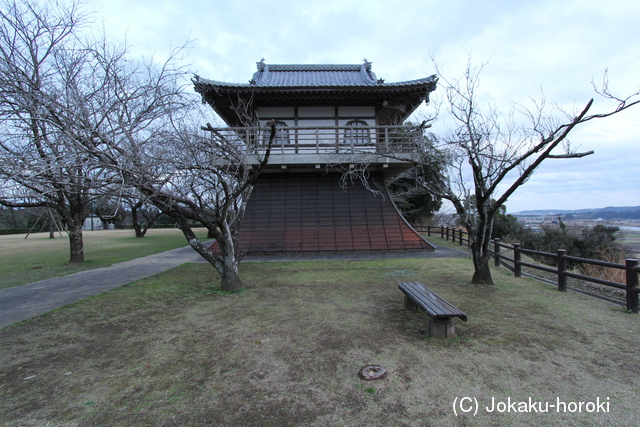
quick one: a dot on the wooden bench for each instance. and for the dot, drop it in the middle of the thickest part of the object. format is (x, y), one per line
(441, 312)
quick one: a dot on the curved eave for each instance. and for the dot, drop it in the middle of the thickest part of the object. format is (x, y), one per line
(407, 94)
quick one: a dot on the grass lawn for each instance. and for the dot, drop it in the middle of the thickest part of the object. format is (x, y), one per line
(38, 257)
(170, 350)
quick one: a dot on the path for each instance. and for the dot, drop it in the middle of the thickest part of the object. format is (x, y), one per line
(23, 302)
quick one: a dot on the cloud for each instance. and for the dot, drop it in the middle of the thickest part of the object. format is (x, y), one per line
(535, 48)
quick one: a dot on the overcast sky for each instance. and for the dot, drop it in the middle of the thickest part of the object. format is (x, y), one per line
(558, 47)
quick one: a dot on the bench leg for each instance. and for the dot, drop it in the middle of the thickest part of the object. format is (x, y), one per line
(442, 328)
(409, 304)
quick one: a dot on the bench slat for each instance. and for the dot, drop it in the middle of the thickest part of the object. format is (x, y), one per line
(432, 303)
(438, 305)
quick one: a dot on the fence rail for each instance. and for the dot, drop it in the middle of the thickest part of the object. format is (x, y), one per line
(631, 266)
(456, 235)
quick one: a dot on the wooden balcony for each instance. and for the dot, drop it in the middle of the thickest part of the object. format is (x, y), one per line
(381, 140)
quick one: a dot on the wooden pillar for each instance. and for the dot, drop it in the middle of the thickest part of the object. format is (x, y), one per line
(562, 269)
(496, 252)
(632, 285)
(517, 268)
(386, 140)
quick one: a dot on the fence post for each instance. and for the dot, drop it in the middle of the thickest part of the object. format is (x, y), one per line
(562, 269)
(632, 285)
(517, 268)
(460, 237)
(428, 231)
(447, 233)
(441, 232)
(496, 252)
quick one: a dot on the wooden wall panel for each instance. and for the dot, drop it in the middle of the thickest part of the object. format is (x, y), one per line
(292, 212)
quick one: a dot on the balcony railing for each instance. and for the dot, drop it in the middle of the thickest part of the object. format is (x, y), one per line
(382, 140)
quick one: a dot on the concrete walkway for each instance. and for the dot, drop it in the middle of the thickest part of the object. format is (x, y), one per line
(23, 302)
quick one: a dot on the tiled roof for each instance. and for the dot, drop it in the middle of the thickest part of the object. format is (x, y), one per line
(313, 75)
(316, 75)
(332, 84)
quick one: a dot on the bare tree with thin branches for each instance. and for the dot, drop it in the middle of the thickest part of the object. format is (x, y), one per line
(81, 117)
(141, 207)
(208, 179)
(486, 149)
(39, 164)
(195, 176)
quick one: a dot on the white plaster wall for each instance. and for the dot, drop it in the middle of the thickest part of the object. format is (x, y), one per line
(266, 113)
(316, 112)
(357, 112)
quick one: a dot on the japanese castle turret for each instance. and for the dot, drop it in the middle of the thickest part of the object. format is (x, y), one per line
(330, 119)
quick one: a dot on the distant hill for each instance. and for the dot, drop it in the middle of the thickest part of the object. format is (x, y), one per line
(610, 212)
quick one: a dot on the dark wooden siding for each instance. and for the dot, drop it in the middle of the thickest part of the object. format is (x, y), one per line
(304, 212)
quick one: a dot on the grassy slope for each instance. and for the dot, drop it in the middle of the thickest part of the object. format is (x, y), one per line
(170, 350)
(38, 257)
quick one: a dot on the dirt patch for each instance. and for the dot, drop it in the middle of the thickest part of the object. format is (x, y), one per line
(286, 351)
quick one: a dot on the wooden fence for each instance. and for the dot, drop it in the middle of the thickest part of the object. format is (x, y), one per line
(454, 234)
(561, 259)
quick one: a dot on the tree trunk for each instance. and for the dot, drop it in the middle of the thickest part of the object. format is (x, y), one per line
(226, 264)
(482, 272)
(230, 275)
(481, 238)
(13, 220)
(76, 245)
(228, 268)
(134, 221)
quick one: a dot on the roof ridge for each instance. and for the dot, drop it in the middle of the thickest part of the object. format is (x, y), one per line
(314, 67)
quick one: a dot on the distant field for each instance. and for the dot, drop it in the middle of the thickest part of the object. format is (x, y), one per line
(38, 257)
(631, 239)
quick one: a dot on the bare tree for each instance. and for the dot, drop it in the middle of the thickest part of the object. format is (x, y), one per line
(39, 165)
(64, 98)
(219, 173)
(193, 176)
(486, 149)
(80, 115)
(140, 126)
(415, 203)
(140, 206)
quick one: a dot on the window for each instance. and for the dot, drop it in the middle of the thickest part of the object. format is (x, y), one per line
(359, 134)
